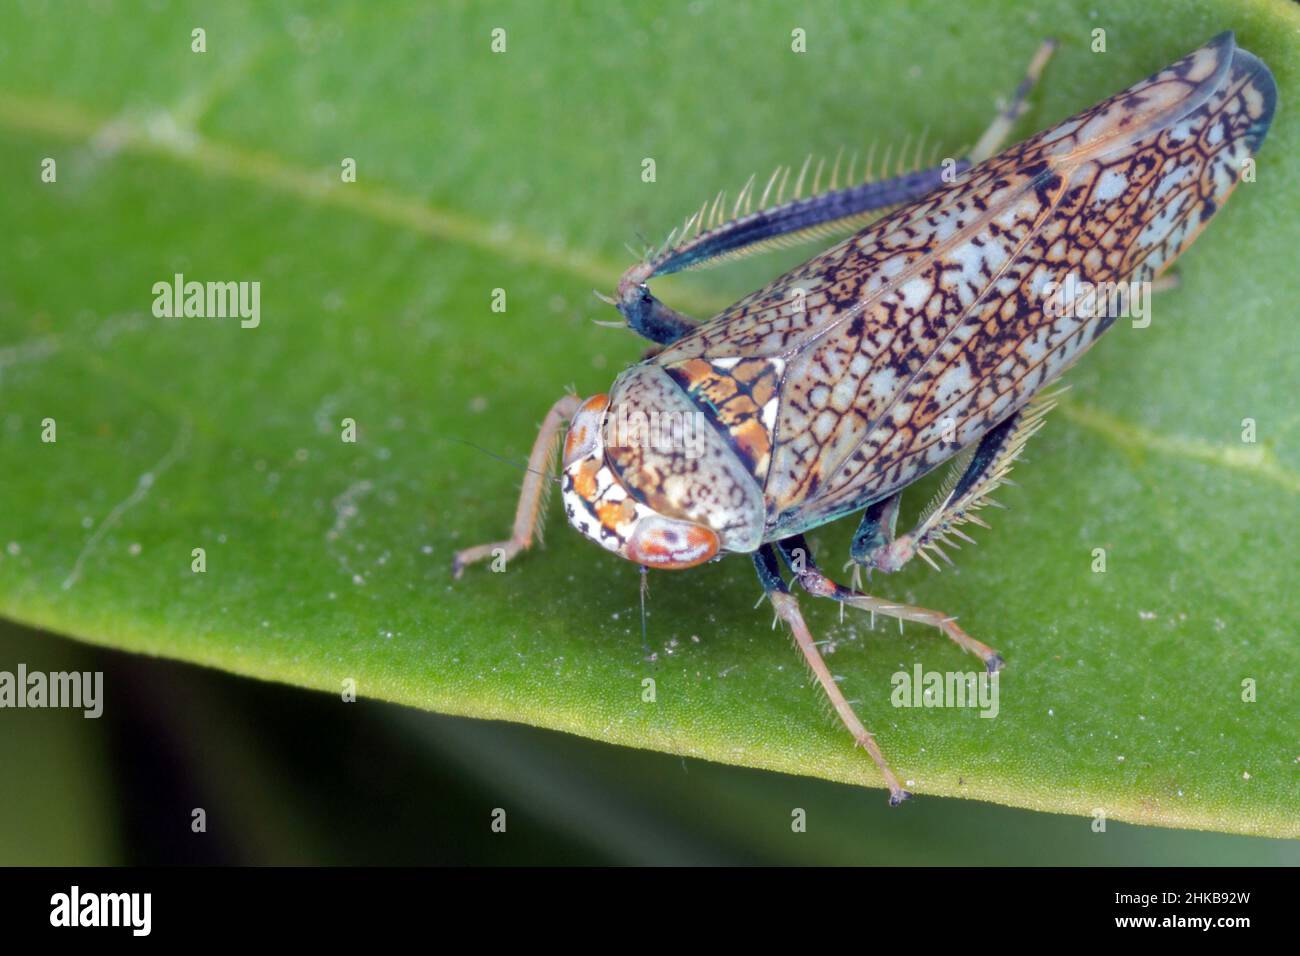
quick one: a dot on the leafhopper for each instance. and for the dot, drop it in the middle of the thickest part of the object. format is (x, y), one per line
(929, 335)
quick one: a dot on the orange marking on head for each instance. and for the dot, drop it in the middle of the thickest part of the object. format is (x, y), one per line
(610, 514)
(584, 481)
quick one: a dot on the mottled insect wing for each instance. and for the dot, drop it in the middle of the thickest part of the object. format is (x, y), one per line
(912, 339)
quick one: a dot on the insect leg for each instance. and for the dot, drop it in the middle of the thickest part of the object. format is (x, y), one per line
(697, 246)
(1166, 283)
(799, 557)
(529, 514)
(875, 532)
(787, 609)
(836, 210)
(996, 135)
(646, 315)
(709, 237)
(966, 490)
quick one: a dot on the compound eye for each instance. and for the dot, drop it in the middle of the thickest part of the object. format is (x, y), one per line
(672, 545)
(584, 429)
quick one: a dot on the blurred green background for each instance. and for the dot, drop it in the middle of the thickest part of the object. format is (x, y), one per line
(294, 777)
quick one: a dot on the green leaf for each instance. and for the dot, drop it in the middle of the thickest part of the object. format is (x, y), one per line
(329, 561)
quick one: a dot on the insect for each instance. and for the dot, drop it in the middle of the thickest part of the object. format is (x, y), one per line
(926, 336)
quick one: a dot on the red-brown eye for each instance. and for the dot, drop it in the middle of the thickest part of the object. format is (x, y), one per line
(672, 545)
(584, 429)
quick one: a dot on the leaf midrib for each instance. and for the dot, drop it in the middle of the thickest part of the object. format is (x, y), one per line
(44, 116)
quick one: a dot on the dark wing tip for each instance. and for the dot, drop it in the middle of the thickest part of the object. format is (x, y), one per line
(1245, 63)
(1227, 38)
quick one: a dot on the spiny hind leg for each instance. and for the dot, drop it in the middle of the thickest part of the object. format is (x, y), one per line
(787, 609)
(950, 506)
(970, 481)
(995, 136)
(529, 513)
(798, 557)
(709, 236)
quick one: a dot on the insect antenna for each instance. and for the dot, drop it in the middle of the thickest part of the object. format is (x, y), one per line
(521, 465)
(645, 589)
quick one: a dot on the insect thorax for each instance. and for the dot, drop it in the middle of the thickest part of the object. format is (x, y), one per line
(668, 451)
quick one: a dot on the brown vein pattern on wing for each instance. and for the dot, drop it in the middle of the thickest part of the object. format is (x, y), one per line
(1123, 215)
(940, 282)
